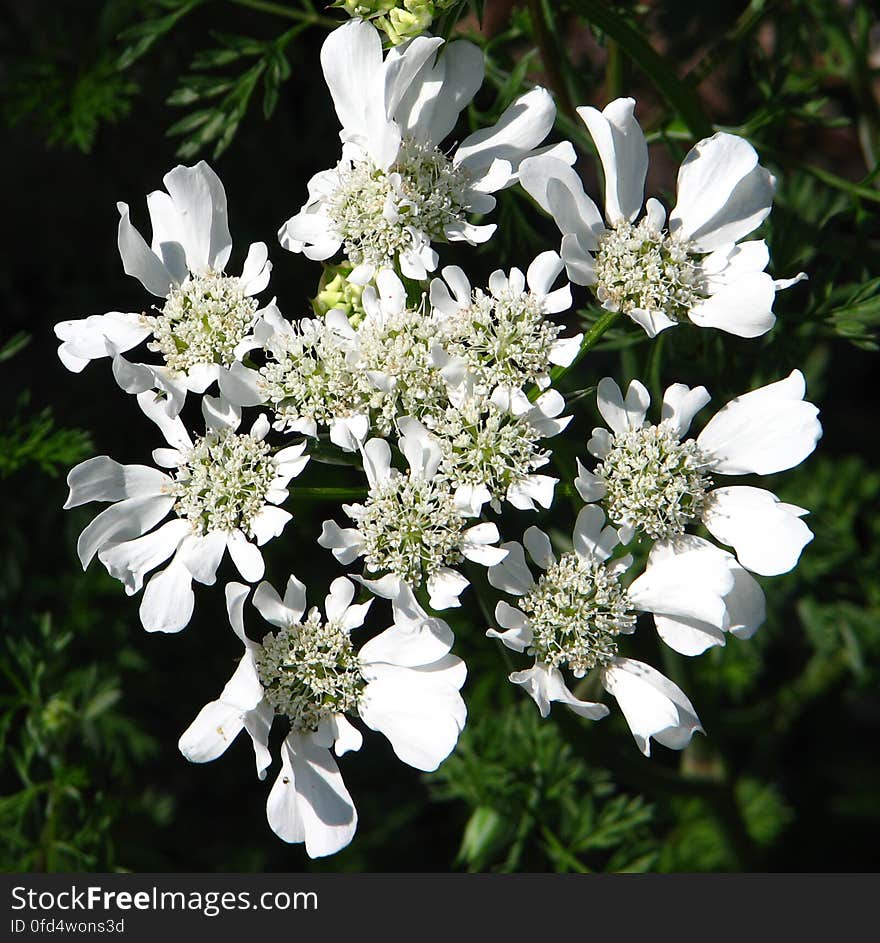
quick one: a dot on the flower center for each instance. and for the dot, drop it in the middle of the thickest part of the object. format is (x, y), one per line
(653, 481)
(504, 338)
(399, 347)
(410, 528)
(224, 482)
(202, 321)
(310, 376)
(575, 612)
(310, 671)
(482, 444)
(379, 213)
(639, 266)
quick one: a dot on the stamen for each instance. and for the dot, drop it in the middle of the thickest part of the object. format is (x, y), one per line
(575, 612)
(310, 671)
(202, 322)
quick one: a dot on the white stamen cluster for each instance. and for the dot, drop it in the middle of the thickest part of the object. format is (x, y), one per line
(224, 482)
(399, 348)
(505, 338)
(379, 213)
(202, 322)
(575, 612)
(483, 444)
(653, 481)
(410, 527)
(640, 266)
(310, 671)
(311, 376)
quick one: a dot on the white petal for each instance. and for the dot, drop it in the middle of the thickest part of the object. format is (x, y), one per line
(444, 587)
(214, 728)
(346, 737)
(681, 404)
(624, 155)
(690, 584)
(620, 416)
(202, 555)
(591, 539)
(200, 201)
(521, 127)
(345, 543)
(122, 521)
(421, 716)
(168, 600)
(279, 613)
(558, 189)
(156, 409)
(765, 431)
(512, 575)
(519, 636)
(86, 338)
(545, 685)
(414, 639)
(476, 541)
(768, 536)
(377, 461)
(463, 76)
(269, 523)
(309, 801)
(588, 486)
(743, 307)
(539, 547)
(688, 636)
(246, 556)
(137, 258)
(256, 270)
(723, 194)
(131, 560)
(102, 479)
(652, 705)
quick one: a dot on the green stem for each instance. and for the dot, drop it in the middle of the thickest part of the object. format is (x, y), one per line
(280, 9)
(329, 494)
(613, 71)
(591, 338)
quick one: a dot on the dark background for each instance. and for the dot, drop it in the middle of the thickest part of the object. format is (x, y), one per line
(139, 805)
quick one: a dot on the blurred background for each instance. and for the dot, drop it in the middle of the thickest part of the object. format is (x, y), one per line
(99, 99)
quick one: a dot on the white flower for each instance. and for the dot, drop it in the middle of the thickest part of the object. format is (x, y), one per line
(490, 447)
(205, 322)
(224, 493)
(394, 191)
(573, 615)
(504, 337)
(403, 683)
(311, 378)
(410, 526)
(393, 347)
(697, 268)
(654, 483)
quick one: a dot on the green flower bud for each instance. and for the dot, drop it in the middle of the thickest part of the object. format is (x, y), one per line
(335, 291)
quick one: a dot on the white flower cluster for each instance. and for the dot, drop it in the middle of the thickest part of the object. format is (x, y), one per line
(439, 397)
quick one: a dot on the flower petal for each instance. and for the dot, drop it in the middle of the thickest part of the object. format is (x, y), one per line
(768, 536)
(652, 705)
(765, 431)
(624, 154)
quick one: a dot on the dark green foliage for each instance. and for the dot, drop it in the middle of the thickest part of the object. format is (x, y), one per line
(787, 775)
